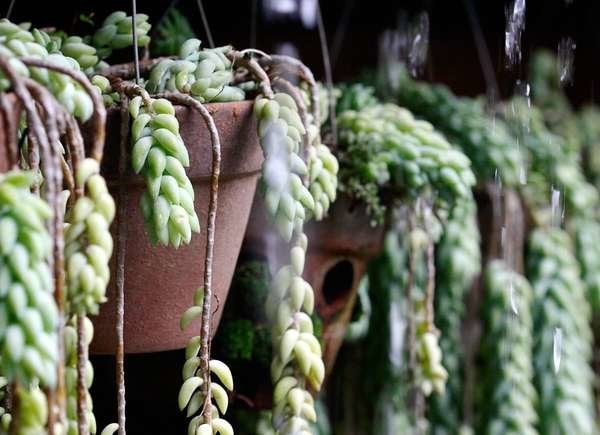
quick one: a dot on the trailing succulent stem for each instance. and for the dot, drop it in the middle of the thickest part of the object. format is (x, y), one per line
(160, 155)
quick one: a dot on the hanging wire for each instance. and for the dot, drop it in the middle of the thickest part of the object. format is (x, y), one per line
(136, 59)
(340, 32)
(482, 51)
(211, 42)
(10, 8)
(253, 23)
(328, 74)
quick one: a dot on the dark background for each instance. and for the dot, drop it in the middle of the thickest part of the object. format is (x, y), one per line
(153, 380)
(452, 59)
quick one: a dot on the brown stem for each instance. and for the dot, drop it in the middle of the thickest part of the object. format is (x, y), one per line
(210, 241)
(430, 290)
(99, 113)
(56, 399)
(131, 90)
(15, 409)
(297, 69)
(82, 423)
(127, 70)
(248, 62)
(120, 278)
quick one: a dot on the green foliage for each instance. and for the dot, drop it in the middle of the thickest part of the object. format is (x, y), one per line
(464, 121)
(458, 263)
(508, 397)
(205, 74)
(173, 30)
(238, 339)
(159, 154)
(566, 404)
(385, 151)
(28, 312)
(16, 41)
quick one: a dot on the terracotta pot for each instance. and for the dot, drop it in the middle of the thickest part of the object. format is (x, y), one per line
(339, 248)
(159, 281)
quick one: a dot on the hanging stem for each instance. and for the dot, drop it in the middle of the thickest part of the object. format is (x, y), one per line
(99, 113)
(245, 60)
(285, 86)
(295, 67)
(52, 111)
(82, 423)
(430, 292)
(10, 131)
(121, 253)
(127, 70)
(210, 241)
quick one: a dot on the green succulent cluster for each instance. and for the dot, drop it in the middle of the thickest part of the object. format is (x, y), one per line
(280, 130)
(16, 42)
(173, 30)
(563, 376)
(589, 127)
(506, 353)
(88, 242)
(116, 32)
(458, 263)
(160, 155)
(551, 163)
(465, 122)
(70, 339)
(549, 95)
(355, 96)
(205, 74)
(28, 313)
(297, 365)
(191, 393)
(33, 410)
(385, 150)
(109, 96)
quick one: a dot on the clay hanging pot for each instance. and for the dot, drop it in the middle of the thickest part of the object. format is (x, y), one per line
(339, 248)
(160, 281)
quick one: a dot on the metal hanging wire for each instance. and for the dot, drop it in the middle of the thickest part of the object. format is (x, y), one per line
(211, 42)
(328, 74)
(10, 9)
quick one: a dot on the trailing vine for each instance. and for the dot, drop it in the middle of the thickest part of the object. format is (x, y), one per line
(161, 156)
(205, 74)
(458, 263)
(385, 151)
(506, 353)
(467, 125)
(563, 377)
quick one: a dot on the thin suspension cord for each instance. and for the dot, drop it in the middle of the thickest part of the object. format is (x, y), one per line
(340, 32)
(136, 59)
(482, 50)
(328, 74)
(10, 8)
(211, 42)
(253, 23)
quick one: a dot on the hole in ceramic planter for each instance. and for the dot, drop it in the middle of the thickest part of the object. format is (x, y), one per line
(337, 283)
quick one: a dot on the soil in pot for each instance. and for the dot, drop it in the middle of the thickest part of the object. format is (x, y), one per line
(160, 281)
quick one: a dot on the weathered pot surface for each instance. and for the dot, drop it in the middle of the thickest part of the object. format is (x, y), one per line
(160, 281)
(339, 248)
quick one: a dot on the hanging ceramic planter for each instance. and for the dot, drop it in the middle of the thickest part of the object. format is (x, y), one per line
(159, 280)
